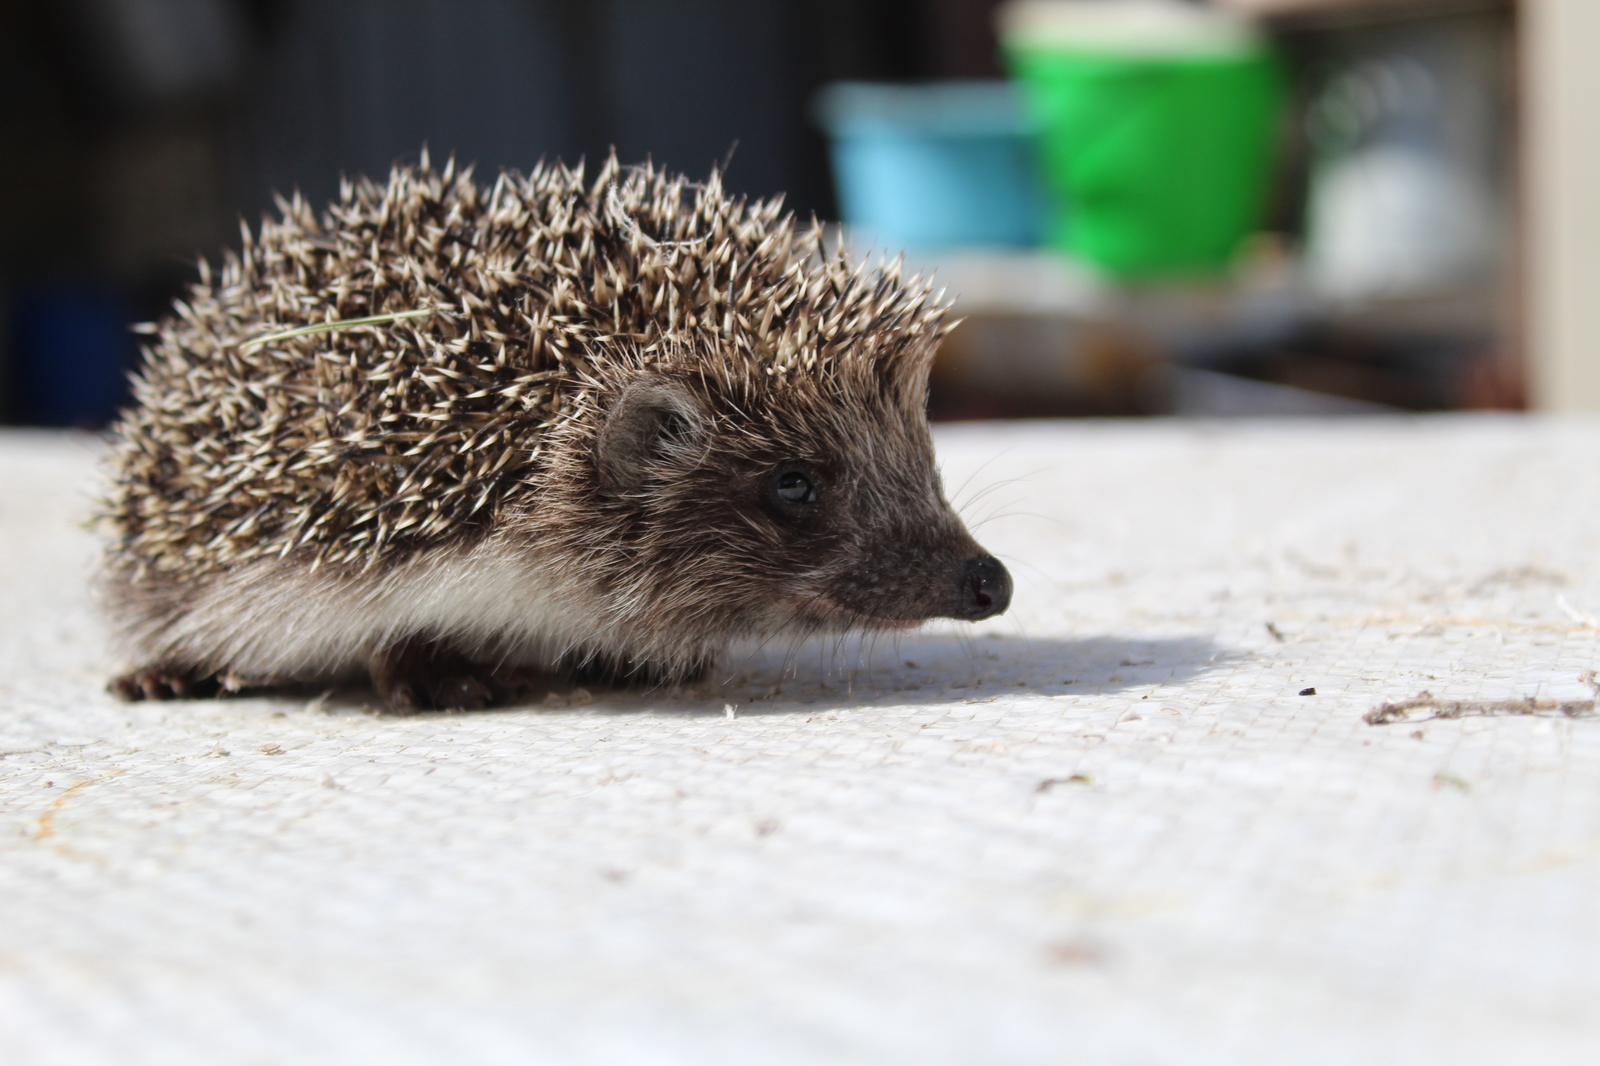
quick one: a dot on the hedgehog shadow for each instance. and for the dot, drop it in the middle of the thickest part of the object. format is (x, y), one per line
(926, 668)
(941, 668)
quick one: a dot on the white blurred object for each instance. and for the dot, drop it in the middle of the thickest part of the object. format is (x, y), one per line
(1394, 220)
(1401, 199)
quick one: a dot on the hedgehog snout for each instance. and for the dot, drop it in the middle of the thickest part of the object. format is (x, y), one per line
(985, 589)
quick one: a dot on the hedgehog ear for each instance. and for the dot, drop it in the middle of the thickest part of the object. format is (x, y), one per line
(651, 422)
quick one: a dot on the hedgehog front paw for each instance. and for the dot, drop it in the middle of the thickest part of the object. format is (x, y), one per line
(515, 684)
(162, 683)
(416, 695)
(415, 675)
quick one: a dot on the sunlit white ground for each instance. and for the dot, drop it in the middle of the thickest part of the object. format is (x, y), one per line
(1101, 829)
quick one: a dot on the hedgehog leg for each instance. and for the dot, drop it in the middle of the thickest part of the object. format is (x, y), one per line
(513, 684)
(416, 674)
(163, 682)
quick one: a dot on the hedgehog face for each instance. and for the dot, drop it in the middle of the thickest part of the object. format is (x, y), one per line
(785, 512)
(870, 537)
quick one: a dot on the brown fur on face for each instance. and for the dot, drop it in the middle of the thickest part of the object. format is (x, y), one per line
(694, 551)
(573, 458)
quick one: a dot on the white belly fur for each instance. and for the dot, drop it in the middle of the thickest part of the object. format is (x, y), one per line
(272, 621)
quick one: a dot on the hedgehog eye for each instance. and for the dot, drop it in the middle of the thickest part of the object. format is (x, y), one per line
(795, 489)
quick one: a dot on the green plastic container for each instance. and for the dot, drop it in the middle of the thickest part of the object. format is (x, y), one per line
(1156, 125)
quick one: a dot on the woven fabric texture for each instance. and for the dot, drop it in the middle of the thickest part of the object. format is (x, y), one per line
(1107, 827)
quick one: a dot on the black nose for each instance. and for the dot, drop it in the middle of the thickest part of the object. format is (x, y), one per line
(985, 588)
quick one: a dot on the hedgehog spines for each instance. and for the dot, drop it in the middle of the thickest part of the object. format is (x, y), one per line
(361, 442)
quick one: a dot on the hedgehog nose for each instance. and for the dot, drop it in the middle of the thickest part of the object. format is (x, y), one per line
(985, 588)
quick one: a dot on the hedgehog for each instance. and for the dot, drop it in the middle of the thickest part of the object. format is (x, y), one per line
(457, 440)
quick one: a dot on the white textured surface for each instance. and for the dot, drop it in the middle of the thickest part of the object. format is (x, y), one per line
(862, 865)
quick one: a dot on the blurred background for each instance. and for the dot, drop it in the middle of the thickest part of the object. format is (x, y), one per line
(1141, 206)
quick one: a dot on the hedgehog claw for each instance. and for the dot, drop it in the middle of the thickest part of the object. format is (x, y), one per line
(161, 683)
(512, 684)
(401, 698)
(462, 692)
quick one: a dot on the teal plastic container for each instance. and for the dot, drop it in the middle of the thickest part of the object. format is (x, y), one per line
(1156, 128)
(934, 165)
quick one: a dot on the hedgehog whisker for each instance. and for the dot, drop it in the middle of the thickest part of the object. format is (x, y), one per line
(966, 481)
(983, 493)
